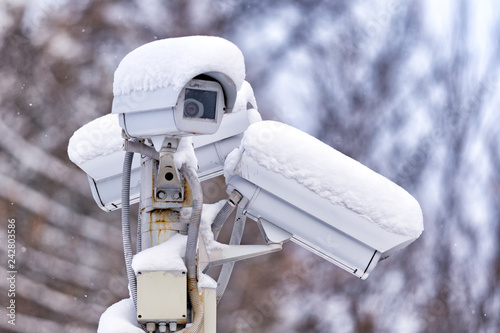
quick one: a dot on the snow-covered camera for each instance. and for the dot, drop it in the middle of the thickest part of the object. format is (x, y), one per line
(177, 87)
(300, 189)
(188, 86)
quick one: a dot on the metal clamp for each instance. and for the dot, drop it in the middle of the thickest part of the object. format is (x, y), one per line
(169, 185)
(141, 148)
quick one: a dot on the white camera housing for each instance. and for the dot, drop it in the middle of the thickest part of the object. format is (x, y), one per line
(145, 121)
(298, 188)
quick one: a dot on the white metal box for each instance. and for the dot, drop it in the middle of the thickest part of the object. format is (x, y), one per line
(162, 296)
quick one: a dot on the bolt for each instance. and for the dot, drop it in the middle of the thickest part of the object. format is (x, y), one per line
(176, 195)
(161, 195)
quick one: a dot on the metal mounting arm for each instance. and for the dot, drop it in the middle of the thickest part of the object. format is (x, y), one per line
(231, 253)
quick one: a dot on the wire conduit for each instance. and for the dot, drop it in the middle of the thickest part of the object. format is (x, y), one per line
(191, 247)
(221, 218)
(227, 268)
(224, 213)
(126, 236)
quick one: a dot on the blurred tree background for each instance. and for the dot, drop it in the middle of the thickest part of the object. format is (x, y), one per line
(408, 88)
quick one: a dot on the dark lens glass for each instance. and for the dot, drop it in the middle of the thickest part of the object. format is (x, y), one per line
(192, 109)
(200, 104)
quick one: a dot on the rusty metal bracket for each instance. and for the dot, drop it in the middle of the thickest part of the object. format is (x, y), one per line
(169, 185)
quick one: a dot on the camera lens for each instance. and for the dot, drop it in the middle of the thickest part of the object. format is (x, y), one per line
(193, 108)
(200, 104)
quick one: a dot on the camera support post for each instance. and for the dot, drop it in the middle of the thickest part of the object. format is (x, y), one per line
(162, 294)
(161, 299)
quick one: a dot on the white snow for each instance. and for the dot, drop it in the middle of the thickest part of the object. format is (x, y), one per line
(173, 62)
(167, 256)
(207, 218)
(243, 99)
(100, 137)
(254, 116)
(330, 174)
(245, 96)
(185, 154)
(231, 162)
(205, 281)
(208, 215)
(120, 318)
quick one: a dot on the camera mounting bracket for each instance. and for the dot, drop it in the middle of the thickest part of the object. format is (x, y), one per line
(141, 148)
(169, 184)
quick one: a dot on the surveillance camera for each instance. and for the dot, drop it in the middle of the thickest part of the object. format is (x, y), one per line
(177, 87)
(299, 188)
(198, 110)
(97, 148)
